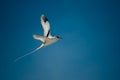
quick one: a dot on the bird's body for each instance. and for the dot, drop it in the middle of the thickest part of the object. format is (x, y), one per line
(47, 39)
(50, 41)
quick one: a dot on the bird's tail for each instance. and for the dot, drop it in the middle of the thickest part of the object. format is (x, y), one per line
(28, 53)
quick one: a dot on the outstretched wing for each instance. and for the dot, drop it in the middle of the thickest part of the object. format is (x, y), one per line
(46, 26)
(37, 37)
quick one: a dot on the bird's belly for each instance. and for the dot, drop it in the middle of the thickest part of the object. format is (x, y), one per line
(49, 42)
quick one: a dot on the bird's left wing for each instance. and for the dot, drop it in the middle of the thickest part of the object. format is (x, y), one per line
(46, 26)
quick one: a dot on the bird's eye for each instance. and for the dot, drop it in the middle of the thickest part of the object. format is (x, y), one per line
(57, 36)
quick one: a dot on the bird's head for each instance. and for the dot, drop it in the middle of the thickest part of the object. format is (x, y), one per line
(59, 38)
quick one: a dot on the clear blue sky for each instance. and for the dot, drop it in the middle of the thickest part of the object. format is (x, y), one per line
(90, 48)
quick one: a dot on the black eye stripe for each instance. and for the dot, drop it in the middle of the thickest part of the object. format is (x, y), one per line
(57, 36)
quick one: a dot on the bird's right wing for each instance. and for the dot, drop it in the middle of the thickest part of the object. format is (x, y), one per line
(46, 26)
(37, 37)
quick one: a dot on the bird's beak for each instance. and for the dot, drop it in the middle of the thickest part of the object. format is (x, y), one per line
(60, 38)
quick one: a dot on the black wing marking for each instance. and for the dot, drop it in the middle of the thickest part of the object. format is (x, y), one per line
(48, 33)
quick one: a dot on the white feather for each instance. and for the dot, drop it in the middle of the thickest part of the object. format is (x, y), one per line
(46, 27)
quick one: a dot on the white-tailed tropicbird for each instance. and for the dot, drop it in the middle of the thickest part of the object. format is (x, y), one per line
(47, 39)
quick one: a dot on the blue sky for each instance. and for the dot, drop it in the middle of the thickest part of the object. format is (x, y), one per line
(90, 48)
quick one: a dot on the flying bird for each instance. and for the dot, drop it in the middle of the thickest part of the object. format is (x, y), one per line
(47, 39)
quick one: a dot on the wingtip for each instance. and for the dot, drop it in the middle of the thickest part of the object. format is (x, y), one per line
(44, 18)
(34, 36)
(42, 15)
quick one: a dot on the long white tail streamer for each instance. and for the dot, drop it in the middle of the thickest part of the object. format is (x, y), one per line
(28, 53)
